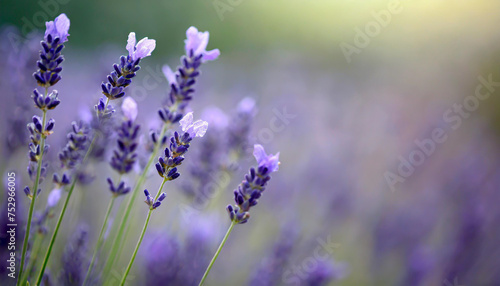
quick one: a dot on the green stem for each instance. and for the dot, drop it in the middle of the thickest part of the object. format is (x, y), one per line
(142, 236)
(61, 215)
(119, 238)
(99, 240)
(217, 253)
(35, 191)
(34, 253)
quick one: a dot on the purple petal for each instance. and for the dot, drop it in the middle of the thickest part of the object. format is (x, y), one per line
(210, 55)
(169, 74)
(131, 43)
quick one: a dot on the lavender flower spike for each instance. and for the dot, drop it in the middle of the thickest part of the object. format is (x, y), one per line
(251, 189)
(183, 79)
(197, 43)
(179, 145)
(123, 73)
(50, 56)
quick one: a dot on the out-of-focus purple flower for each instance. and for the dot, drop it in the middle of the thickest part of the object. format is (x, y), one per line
(58, 28)
(196, 43)
(182, 81)
(240, 125)
(326, 271)
(248, 106)
(162, 260)
(54, 197)
(216, 118)
(268, 163)
(251, 189)
(269, 272)
(129, 108)
(74, 260)
(140, 50)
(120, 189)
(194, 129)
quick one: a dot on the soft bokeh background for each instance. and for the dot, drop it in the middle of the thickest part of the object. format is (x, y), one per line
(353, 121)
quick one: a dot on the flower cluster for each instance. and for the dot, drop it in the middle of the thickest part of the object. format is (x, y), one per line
(50, 56)
(122, 73)
(179, 145)
(250, 190)
(240, 127)
(73, 153)
(47, 75)
(182, 81)
(125, 156)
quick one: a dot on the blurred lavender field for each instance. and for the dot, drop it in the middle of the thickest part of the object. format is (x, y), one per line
(385, 115)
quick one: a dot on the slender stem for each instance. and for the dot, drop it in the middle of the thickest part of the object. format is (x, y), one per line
(119, 238)
(99, 240)
(35, 193)
(61, 215)
(217, 253)
(34, 253)
(141, 237)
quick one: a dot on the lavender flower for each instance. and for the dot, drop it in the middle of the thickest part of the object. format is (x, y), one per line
(179, 144)
(74, 260)
(240, 127)
(78, 139)
(125, 156)
(50, 56)
(250, 190)
(182, 81)
(123, 73)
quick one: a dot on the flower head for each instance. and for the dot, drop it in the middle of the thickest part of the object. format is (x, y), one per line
(54, 197)
(129, 108)
(58, 28)
(194, 129)
(140, 50)
(270, 162)
(197, 43)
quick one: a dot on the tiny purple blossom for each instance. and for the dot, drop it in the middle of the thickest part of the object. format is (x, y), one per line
(194, 129)
(58, 28)
(140, 50)
(197, 42)
(271, 162)
(129, 108)
(247, 106)
(54, 197)
(169, 74)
